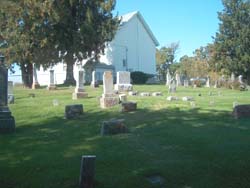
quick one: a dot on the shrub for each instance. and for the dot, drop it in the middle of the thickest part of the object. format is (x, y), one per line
(139, 77)
(197, 83)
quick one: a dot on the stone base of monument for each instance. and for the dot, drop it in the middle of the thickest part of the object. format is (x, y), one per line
(123, 87)
(51, 87)
(107, 101)
(35, 85)
(7, 121)
(73, 111)
(128, 106)
(79, 95)
(11, 99)
(113, 126)
(241, 111)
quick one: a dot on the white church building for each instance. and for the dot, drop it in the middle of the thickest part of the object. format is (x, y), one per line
(132, 49)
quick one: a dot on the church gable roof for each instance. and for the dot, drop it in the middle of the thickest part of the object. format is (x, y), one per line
(127, 17)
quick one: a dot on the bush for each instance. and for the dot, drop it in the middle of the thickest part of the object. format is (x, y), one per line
(197, 83)
(139, 77)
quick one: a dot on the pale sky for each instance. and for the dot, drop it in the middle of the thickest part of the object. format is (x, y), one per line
(191, 22)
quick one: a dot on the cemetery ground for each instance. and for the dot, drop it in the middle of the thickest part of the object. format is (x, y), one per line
(187, 146)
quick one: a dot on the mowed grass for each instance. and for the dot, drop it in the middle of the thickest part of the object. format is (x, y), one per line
(189, 146)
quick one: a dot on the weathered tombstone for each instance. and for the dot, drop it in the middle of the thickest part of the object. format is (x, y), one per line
(73, 111)
(123, 98)
(232, 77)
(51, 85)
(172, 98)
(113, 126)
(94, 83)
(79, 90)
(187, 98)
(123, 81)
(145, 94)
(178, 79)
(186, 83)
(216, 84)
(11, 97)
(133, 93)
(7, 121)
(87, 172)
(241, 111)
(108, 98)
(208, 82)
(172, 86)
(157, 94)
(168, 78)
(35, 83)
(128, 106)
(240, 79)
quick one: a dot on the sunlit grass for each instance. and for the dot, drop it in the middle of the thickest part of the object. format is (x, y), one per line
(189, 146)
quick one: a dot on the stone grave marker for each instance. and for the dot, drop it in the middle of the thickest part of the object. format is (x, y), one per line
(108, 98)
(168, 78)
(79, 90)
(94, 83)
(186, 83)
(123, 81)
(87, 172)
(73, 111)
(128, 106)
(7, 121)
(172, 86)
(241, 111)
(51, 85)
(178, 79)
(11, 97)
(208, 82)
(240, 79)
(113, 126)
(157, 94)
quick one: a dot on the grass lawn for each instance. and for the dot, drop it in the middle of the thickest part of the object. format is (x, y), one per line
(190, 147)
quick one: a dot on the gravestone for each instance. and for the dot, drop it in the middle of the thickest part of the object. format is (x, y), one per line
(133, 93)
(108, 98)
(79, 90)
(35, 83)
(186, 83)
(7, 121)
(87, 172)
(73, 111)
(187, 98)
(240, 79)
(172, 86)
(232, 77)
(145, 94)
(208, 82)
(11, 97)
(51, 85)
(157, 94)
(128, 106)
(168, 78)
(113, 126)
(94, 83)
(172, 98)
(241, 111)
(122, 98)
(178, 79)
(123, 82)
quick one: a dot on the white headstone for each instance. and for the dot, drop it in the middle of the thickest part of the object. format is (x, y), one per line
(10, 88)
(240, 79)
(93, 79)
(232, 77)
(178, 79)
(208, 82)
(108, 82)
(186, 83)
(51, 78)
(80, 81)
(168, 77)
(172, 86)
(123, 81)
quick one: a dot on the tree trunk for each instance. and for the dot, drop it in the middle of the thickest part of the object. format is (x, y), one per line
(70, 80)
(27, 74)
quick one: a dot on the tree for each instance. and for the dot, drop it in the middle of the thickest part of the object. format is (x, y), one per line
(166, 56)
(46, 32)
(232, 42)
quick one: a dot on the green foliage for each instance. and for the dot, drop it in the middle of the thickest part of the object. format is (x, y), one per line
(138, 77)
(232, 44)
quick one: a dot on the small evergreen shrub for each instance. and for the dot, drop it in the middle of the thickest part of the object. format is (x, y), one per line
(138, 77)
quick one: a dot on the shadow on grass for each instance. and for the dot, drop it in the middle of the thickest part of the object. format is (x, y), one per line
(186, 147)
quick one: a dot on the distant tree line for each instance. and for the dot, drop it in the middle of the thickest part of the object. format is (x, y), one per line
(229, 53)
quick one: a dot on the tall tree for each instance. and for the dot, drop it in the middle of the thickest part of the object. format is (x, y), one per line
(165, 56)
(232, 42)
(45, 32)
